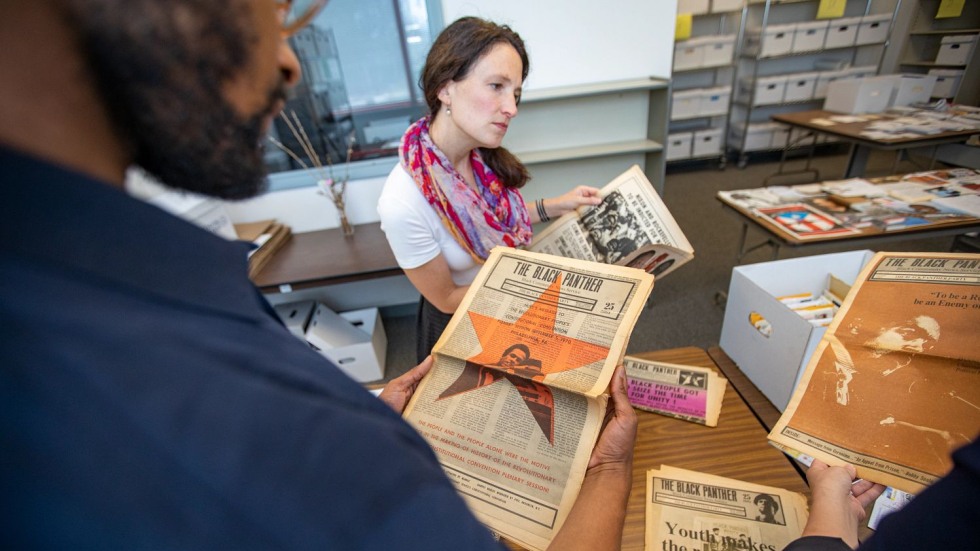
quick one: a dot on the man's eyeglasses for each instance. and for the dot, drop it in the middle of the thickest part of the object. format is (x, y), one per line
(295, 14)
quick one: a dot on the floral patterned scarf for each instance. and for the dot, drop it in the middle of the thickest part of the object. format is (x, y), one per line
(479, 221)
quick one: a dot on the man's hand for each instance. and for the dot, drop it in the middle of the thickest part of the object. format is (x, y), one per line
(399, 391)
(838, 502)
(618, 435)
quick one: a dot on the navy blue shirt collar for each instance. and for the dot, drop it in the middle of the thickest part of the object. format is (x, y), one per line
(57, 216)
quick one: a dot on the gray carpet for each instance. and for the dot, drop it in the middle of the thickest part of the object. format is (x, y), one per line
(683, 309)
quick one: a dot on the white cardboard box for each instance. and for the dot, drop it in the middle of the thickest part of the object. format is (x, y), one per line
(354, 341)
(841, 33)
(809, 36)
(773, 41)
(770, 90)
(824, 79)
(947, 82)
(714, 101)
(719, 50)
(956, 49)
(780, 135)
(693, 7)
(873, 29)
(685, 104)
(859, 95)
(775, 361)
(706, 143)
(689, 54)
(800, 86)
(719, 6)
(757, 136)
(296, 316)
(913, 88)
(679, 145)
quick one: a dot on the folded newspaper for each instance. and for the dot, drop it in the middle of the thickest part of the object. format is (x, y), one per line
(893, 387)
(630, 227)
(517, 393)
(697, 511)
(686, 392)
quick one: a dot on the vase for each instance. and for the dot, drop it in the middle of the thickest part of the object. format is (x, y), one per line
(345, 224)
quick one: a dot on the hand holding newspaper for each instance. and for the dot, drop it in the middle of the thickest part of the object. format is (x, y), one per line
(893, 387)
(516, 396)
(630, 227)
(697, 511)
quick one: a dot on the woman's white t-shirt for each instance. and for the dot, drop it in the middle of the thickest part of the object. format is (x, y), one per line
(416, 233)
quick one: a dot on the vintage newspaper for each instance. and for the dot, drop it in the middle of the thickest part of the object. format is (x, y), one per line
(697, 511)
(517, 394)
(687, 392)
(893, 387)
(631, 227)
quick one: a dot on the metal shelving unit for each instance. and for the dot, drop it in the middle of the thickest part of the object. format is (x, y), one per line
(925, 37)
(753, 64)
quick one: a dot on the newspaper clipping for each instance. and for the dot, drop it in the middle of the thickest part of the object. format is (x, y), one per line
(631, 227)
(696, 511)
(517, 394)
(686, 392)
(894, 385)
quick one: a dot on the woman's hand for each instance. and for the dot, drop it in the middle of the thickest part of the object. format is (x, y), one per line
(577, 197)
(399, 391)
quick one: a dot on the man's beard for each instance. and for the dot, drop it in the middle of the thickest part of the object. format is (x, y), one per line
(223, 158)
(164, 89)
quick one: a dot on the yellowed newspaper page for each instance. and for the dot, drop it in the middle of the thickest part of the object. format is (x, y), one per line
(696, 511)
(687, 392)
(631, 227)
(516, 397)
(894, 385)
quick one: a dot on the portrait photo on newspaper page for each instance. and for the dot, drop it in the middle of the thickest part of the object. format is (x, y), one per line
(893, 387)
(517, 393)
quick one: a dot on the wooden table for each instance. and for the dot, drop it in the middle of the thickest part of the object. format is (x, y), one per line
(862, 145)
(327, 257)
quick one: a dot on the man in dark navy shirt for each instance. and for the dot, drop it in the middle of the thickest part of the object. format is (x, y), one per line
(150, 397)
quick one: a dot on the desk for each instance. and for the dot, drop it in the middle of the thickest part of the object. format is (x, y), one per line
(776, 236)
(862, 146)
(327, 257)
(737, 448)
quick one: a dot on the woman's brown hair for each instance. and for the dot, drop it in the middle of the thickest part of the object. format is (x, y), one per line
(451, 57)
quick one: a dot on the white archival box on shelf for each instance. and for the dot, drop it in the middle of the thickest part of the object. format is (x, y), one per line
(809, 36)
(956, 49)
(947, 82)
(800, 86)
(354, 341)
(841, 33)
(706, 142)
(679, 145)
(768, 341)
(873, 29)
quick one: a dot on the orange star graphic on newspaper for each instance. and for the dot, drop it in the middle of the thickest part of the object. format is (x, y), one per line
(524, 352)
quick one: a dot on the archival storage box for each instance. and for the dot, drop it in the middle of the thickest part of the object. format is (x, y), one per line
(768, 341)
(354, 341)
(296, 316)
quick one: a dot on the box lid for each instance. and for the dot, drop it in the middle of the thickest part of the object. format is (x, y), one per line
(959, 38)
(811, 25)
(844, 22)
(876, 18)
